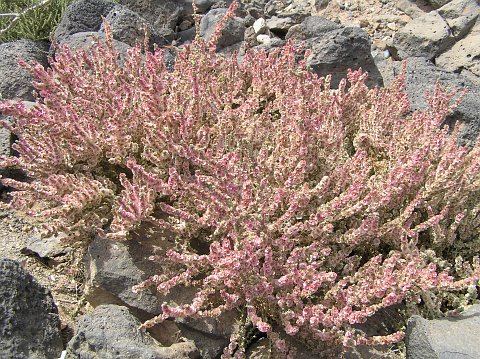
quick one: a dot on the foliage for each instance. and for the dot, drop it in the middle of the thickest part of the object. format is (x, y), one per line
(318, 207)
(30, 19)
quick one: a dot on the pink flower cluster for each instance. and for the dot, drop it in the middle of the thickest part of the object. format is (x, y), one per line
(317, 206)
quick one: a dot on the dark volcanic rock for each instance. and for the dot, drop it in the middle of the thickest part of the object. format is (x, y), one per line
(110, 331)
(338, 50)
(82, 16)
(233, 32)
(421, 76)
(159, 13)
(15, 81)
(29, 324)
(129, 27)
(445, 338)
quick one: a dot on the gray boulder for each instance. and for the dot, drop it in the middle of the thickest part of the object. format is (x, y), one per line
(113, 268)
(111, 332)
(433, 33)
(460, 16)
(15, 81)
(338, 50)
(421, 76)
(47, 248)
(444, 338)
(6, 141)
(232, 33)
(159, 13)
(279, 25)
(82, 16)
(6, 138)
(274, 7)
(129, 28)
(463, 18)
(410, 8)
(297, 10)
(312, 26)
(438, 3)
(29, 323)
(210, 335)
(209, 346)
(426, 36)
(204, 5)
(87, 40)
(464, 55)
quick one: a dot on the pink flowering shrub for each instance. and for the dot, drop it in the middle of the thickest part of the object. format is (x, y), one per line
(318, 207)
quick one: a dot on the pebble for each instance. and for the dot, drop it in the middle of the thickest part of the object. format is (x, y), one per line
(364, 22)
(264, 39)
(392, 26)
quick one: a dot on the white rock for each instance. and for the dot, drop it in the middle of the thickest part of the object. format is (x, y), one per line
(264, 39)
(259, 26)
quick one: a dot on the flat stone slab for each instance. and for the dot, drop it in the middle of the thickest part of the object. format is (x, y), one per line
(445, 338)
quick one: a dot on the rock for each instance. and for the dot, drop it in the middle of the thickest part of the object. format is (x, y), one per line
(312, 26)
(16, 82)
(384, 322)
(209, 346)
(159, 13)
(259, 26)
(460, 16)
(338, 50)
(169, 59)
(250, 38)
(187, 35)
(464, 55)
(445, 338)
(410, 8)
(203, 5)
(82, 16)
(421, 76)
(270, 44)
(274, 7)
(29, 323)
(210, 335)
(129, 28)
(264, 39)
(262, 348)
(320, 4)
(297, 10)
(255, 10)
(426, 36)
(86, 40)
(47, 248)
(248, 20)
(6, 138)
(113, 268)
(279, 25)
(233, 32)
(110, 331)
(185, 25)
(438, 3)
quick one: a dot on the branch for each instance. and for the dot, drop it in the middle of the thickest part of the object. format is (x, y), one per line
(18, 16)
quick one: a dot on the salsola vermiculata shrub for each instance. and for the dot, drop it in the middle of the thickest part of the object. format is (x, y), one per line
(318, 207)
